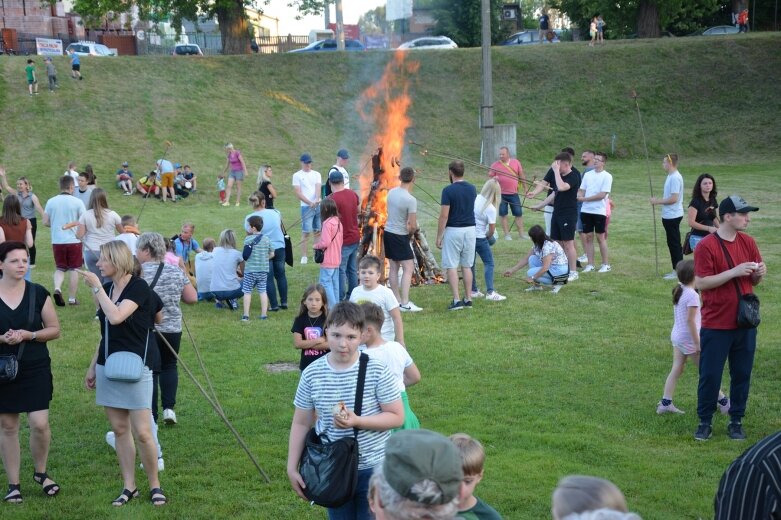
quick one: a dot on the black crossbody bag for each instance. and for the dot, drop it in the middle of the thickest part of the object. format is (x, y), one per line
(330, 471)
(9, 364)
(748, 304)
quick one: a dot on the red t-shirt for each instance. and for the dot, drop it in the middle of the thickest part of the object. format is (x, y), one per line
(347, 204)
(720, 304)
(508, 175)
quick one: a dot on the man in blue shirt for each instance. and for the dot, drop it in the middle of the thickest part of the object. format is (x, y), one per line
(456, 233)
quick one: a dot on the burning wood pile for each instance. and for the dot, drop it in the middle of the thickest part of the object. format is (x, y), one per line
(374, 213)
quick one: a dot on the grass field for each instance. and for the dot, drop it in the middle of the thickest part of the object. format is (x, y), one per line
(551, 385)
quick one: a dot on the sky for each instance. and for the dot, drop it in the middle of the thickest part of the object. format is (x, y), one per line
(351, 9)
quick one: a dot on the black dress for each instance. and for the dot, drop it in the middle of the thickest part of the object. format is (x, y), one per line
(32, 389)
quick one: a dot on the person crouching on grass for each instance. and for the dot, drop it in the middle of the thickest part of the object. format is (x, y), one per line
(332, 380)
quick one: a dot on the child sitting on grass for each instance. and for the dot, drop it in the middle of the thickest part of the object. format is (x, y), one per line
(473, 458)
(129, 233)
(392, 354)
(256, 267)
(309, 326)
(370, 290)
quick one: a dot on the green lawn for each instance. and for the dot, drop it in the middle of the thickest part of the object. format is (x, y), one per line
(551, 385)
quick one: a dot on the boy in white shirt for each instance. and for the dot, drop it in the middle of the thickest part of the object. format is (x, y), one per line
(370, 290)
(593, 193)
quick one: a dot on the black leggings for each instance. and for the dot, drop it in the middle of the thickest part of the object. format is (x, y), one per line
(34, 227)
(672, 228)
(169, 373)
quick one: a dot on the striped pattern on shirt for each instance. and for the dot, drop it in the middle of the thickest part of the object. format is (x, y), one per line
(751, 486)
(321, 387)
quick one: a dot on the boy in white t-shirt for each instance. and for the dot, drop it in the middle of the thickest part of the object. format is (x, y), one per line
(129, 233)
(370, 290)
(394, 355)
(593, 193)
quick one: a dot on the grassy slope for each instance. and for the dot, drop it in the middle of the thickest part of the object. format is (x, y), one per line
(551, 386)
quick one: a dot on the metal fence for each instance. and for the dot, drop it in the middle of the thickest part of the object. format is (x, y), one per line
(26, 41)
(277, 44)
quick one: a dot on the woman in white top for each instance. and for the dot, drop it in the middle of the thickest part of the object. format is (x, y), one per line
(98, 226)
(228, 263)
(547, 262)
(485, 226)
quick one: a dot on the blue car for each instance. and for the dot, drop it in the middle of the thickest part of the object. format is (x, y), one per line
(330, 45)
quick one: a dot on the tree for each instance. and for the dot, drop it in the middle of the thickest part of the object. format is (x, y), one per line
(373, 21)
(460, 21)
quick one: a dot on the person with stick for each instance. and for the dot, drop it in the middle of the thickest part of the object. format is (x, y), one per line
(60, 211)
(485, 226)
(727, 265)
(509, 172)
(672, 210)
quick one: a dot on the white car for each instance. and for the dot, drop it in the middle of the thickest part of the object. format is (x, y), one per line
(187, 49)
(429, 42)
(89, 49)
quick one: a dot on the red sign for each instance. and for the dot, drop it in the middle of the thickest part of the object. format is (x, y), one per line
(351, 32)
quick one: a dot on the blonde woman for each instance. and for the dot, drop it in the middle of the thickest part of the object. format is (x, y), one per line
(30, 205)
(238, 169)
(265, 186)
(485, 226)
(97, 226)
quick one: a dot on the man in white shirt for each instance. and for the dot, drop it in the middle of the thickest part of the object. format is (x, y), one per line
(593, 192)
(672, 210)
(307, 183)
(342, 159)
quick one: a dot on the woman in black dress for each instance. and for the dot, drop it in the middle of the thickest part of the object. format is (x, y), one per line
(703, 209)
(31, 391)
(128, 310)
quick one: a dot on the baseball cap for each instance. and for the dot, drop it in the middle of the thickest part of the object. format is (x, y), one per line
(336, 177)
(177, 165)
(412, 456)
(735, 204)
(343, 154)
(306, 158)
(125, 163)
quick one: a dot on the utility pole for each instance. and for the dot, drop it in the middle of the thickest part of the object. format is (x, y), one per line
(327, 13)
(339, 26)
(487, 105)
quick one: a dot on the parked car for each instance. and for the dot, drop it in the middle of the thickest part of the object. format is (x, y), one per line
(187, 49)
(330, 45)
(720, 29)
(89, 49)
(429, 42)
(530, 37)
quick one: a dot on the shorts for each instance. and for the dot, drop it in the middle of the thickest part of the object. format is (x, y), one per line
(67, 257)
(167, 180)
(237, 175)
(685, 349)
(593, 222)
(397, 247)
(310, 219)
(562, 227)
(76, 67)
(32, 81)
(252, 280)
(513, 200)
(458, 247)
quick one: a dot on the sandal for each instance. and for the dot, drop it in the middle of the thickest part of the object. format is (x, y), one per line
(52, 489)
(158, 500)
(11, 497)
(125, 497)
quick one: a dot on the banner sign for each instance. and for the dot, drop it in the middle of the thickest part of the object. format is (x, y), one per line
(48, 47)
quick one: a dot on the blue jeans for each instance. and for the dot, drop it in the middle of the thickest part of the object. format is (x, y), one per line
(535, 265)
(329, 279)
(358, 507)
(484, 251)
(277, 272)
(228, 295)
(694, 240)
(718, 346)
(348, 271)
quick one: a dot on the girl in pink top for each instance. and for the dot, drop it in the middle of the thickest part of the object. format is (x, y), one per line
(331, 242)
(685, 336)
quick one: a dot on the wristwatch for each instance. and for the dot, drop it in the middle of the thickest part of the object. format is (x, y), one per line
(35, 335)
(95, 290)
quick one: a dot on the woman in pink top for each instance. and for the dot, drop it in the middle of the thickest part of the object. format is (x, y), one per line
(237, 171)
(685, 336)
(331, 241)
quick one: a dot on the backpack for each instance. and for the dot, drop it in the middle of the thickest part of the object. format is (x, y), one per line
(247, 251)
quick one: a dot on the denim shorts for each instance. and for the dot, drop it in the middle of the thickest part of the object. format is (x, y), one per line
(513, 200)
(310, 219)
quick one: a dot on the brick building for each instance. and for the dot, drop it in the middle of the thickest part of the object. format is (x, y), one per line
(34, 17)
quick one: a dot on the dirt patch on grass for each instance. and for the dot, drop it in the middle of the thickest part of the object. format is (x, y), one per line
(276, 368)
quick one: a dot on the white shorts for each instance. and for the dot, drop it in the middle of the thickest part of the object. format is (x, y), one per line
(458, 247)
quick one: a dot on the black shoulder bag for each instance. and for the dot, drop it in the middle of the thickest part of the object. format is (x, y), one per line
(9, 365)
(247, 251)
(748, 304)
(330, 470)
(320, 253)
(288, 243)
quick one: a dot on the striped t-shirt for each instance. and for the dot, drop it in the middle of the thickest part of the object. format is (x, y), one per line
(322, 387)
(258, 261)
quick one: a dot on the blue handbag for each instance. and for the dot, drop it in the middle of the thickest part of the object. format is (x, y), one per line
(123, 366)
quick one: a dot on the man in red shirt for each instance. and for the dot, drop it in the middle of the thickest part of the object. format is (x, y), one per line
(347, 204)
(509, 172)
(728, 263)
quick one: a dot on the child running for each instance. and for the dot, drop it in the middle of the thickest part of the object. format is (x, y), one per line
(394, 355)
(370, 290)
(309, 326)
(256, 267)
(472, 461)
(685, 336)
(331, 243)
(221, 187)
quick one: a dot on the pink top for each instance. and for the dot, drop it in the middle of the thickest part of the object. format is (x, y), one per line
(332, 229)
(234, 158)
(171, 258)
(507, 175)
(680, 334)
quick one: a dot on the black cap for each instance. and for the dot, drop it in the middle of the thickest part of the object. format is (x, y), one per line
(735, 204)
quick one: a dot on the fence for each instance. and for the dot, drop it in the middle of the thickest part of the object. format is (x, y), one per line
(277, 44)
(26, 42)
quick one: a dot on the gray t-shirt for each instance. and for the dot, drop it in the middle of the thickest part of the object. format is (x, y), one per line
(169, 287)
(400, 204)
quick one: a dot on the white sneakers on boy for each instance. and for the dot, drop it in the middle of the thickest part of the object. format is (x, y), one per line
(169, 416)
(604, 268)
(589, 268)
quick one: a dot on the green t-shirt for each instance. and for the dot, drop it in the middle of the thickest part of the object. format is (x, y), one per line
(30, 70)
(481, 511)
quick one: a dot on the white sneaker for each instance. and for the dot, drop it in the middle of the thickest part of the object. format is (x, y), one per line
(477, 294)
(589, 268)
(304, 260)
(555, 289)
(495, 296)
(160, 464)
(605, 268)
(508, 237)
(582, 259)
(671, 276)
(573, 275)
(525, 237)
(533, 288)
(111, 440)
(169, 416)
(411, 307)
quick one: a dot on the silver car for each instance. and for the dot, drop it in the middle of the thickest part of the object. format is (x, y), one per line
(429, 42)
